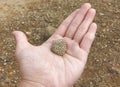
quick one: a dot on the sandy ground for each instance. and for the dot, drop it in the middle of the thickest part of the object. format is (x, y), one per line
(39, 19)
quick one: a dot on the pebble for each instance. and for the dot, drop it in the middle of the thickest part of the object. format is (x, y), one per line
(101, 14)
(28, 33)
(114, 70)
(5, 64)
(59, 47)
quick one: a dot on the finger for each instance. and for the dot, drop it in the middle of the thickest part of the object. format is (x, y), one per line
(77, 20)
(63, 27)
(89, 38)
(72, 47)
(85, 25)
(21, 39)
(74, 50)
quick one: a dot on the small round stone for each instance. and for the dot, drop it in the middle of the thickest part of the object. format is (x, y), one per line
(59, 47)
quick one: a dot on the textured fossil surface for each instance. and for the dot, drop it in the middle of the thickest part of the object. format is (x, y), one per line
(59, 47)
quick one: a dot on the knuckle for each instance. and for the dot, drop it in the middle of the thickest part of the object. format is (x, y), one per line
(69, 35)
(65, 23)
(90, 36)
(74, 24)
(77, 9)
(83, 27)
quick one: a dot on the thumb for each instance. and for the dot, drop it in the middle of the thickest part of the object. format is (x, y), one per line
(21, 40)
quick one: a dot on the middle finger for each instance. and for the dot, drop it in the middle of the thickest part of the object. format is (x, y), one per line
(77, 20)
(84, 25)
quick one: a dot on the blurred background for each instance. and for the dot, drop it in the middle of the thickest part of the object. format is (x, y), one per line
(40, 18)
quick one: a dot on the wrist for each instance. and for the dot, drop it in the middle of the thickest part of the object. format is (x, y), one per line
(25, 83)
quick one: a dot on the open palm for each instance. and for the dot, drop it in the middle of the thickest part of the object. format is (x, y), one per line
(39, 65)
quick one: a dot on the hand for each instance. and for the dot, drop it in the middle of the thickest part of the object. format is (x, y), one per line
(40, 66)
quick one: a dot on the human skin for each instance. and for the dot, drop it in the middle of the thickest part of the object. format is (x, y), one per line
(39, 67)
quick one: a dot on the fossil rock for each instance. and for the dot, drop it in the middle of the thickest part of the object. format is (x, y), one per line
(59, 47)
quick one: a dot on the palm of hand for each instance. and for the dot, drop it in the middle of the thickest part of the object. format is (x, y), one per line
(40, 61)
(39, 64)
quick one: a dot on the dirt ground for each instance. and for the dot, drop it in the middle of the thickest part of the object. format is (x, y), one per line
(39, 19)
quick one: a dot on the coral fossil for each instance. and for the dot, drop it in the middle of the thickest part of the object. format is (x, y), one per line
(59, 47)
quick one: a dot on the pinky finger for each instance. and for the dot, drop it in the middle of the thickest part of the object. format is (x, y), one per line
(88, 38)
